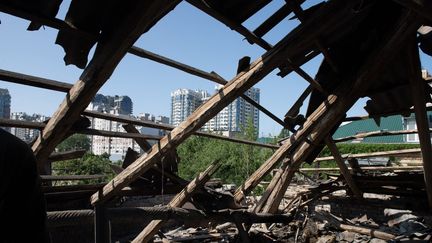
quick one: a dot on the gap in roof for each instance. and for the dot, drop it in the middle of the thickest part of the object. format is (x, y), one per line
(192, 37)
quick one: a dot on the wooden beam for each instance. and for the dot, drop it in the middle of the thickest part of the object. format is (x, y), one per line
(402, 152)
(334, 108)
(277, 193)
(419, 100)
(175, 64)
(104, 133)
(109, 52)
(385, 114)
(178, 201)
(130, 120)
(343, 168)
(239, 28)
(66, 155)
(307, 77)
(142, 142)
(376, 134)
(24, 79)
(70, 177)
(21, 124)
(102, 226)
(214, 77)
(272, 21)
(366, 168)
(300, 40)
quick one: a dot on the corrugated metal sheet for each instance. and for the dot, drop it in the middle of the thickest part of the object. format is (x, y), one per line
(391, 123)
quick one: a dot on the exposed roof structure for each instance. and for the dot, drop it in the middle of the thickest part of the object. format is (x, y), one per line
(370, 49)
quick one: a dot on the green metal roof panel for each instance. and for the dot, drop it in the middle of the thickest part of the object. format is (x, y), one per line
(391, 123)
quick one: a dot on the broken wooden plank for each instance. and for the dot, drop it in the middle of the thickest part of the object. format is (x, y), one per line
(332, 110)
(376, 134)
(402, 152)
(367, 168)
(343, 168)
(109, 52)
(142, 142)
(278, 192)
(66, 155)
(419, 100)
(150, 230)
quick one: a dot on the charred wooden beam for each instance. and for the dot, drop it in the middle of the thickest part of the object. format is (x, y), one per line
(251, 37)
(66, 155)
(307, 77)
(272, 21)
(343, 168)
(332, 110)
(85, 216)
(419, 100)
(108, 54)
(70, 177)
(178, 201)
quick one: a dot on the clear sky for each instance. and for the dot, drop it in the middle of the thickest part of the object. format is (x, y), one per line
(186, 35)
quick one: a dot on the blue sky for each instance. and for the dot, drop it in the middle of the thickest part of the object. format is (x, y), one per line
(186, 35)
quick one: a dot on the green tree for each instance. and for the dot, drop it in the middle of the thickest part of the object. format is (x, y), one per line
(89, 164)
(76, 141)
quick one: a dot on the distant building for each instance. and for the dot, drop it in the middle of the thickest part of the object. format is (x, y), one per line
(5, 104)
(229, 121)
(236, 115)
(184, 102)
(26, 134)
(120, 106)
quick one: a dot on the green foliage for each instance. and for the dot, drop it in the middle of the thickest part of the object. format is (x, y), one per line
(239, 161)
(89, 164)
(74, 142)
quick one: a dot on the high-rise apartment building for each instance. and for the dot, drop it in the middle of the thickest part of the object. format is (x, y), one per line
(26, 134)
(120, 106)
(231, 119)
(184, 102)
(5, 104)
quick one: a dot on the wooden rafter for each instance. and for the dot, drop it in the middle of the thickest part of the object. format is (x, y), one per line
(419, 100)
(245, 80)
(343, 168)
(376, 134)
(107, 56)
(323, 119)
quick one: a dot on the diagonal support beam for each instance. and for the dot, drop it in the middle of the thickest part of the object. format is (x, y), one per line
(108, 54)
(333, 109)
(298, 42)
(178, 201)
(419, 99)
(343, 168)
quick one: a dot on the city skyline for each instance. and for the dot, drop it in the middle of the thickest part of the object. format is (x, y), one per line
(149, 84)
